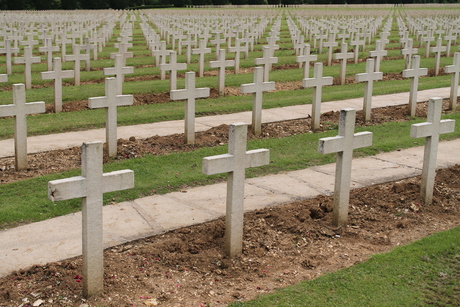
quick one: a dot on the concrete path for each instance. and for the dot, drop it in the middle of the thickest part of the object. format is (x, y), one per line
(73, 139)
(60, 238)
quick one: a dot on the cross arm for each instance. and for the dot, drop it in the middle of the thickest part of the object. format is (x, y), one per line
(257, 157)
(408, 73)
(450, 69)
(46, 75)
(422, 130)
(117, 181)
(218, 164)
(67, 188)
(252, 87)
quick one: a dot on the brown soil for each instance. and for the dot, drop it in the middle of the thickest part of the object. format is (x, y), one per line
(282, 245)
(60, 160)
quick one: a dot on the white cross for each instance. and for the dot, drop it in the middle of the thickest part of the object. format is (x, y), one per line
(414, 74)
(58, 74)
(257, 88)
(356, 43)
(20, 109)
(8, 51)
(438, 50)
(173, 67)
(190, 93)
(237, 49)
(123, 50)
(110, 101)
(201, 51)
(431, 130)
(76, 58)
(343, 56)
(454, 70)
(63, 41)
(234, 163)
(119, 71)
(91, 186)
(27, 60)
(408, 51)
(221, 64)
(317, 82)
(450, 37)
(266, 61)
(217, 41)
(343, 145)
(368, 78)
(305, 60)
(331, 43)
(428, 39)
(87, 47)
(48, 50)
(30, 42)
(378, 54)
(188, 43)
(160, 57)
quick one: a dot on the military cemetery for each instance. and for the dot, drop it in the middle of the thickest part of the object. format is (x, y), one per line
(208, 155)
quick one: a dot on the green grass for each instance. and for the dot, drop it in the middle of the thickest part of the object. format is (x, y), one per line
(163, 174)
(423, 273)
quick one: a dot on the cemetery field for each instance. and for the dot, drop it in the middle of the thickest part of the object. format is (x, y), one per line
(282, 246)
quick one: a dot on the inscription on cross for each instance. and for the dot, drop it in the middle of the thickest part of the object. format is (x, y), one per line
(234, 163)
(110, 101)
(20, 109)
(91, 186)
(190, 93)
(431, 130)
(343, 145)
(257, 88)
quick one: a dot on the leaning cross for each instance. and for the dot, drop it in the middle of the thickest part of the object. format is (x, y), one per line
(257, 88)
(454, 70)
(414, 74)
(317, 82)
(190, 93)
(368, 78)
(343, 56)
(119, 71)
(91, 186)
(20, 109)
(173, 67)
(58, 74)
(431, 131)
(27, 60)
(305, 60)
(234, 164)
(110, 101)
(343, 145)
(221, 64)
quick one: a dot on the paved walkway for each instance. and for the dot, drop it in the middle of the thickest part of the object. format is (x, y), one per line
(60, 238)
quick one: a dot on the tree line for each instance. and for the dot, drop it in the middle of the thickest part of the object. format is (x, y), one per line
(130, 4)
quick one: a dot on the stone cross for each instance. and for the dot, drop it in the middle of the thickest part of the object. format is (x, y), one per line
(266, 61)
(217, 41)
(221, 64)
(190, 93)
(414, 74)
(368, 78)
(48, 50)
(237, 49)
(378, 54)
(431, 131)
(119, 71)
(257, 88)
(173, 67)
(356, 43)
(63, 41)
(87, 47)
(160, 57)
(58, 74)
(76, 58)
(20, 109)
(438, 49)
(29, 42)
(91, 186)
(201, 51)
(234, 164)
(428, 39)
(343, 145)
(189, 42)
(110, 101)
(8, 51)
(330, 44)
(305, 60)
(450, 37)
(27, 60)
(317, 82)
(408, 51)
(343, 56)
(455, 71)
(123, 50)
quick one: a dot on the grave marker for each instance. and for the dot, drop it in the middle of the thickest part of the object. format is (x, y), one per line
(190, 93)
(438, 50)
(331, 43)
(455, 71)
(343, 56)
(160, 58)
(234, 163)
(91, 186)
(414, 74)
(201, 51)
(368, 78)
(237, 49)
(173, 67)
(431, 129)
(119, 71)
(48, 50)
(27, 60)
(58, 74)
(110, 101)
(378, 54)
(257, 88)
(305, 60)
(317, 82)
(221, 64)
(76, 58)
(343, 145)
(20, 109)
(408, 51)
(8, 51)
(266, 61)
